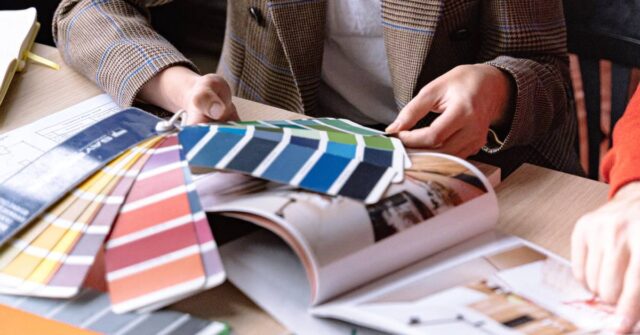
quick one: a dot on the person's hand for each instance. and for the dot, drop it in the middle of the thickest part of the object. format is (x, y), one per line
(204, 98)
(605, 253)
(470, 98)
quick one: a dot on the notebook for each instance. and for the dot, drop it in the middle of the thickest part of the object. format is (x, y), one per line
(18, 29)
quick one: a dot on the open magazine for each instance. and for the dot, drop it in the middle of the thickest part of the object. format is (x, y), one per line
(424, 259)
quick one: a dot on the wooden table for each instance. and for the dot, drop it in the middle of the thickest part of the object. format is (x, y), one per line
(537, 204)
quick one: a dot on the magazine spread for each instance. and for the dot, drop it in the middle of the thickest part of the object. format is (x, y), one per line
(425, 259)
(495, 285)
(336, 237)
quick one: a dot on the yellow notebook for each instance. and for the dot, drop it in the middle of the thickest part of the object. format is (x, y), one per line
(18, 29)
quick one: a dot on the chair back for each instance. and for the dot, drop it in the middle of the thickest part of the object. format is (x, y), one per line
(604, 40)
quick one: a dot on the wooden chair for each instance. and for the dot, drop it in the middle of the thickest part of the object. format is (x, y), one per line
(604, 38)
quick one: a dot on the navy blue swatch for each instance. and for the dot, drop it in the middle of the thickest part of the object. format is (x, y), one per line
(363, 179)
(31, 190)
(305, 142)
(252, 155)
(378, 157)
(324, 173)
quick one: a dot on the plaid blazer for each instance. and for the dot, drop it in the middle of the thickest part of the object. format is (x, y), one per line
(273, 54)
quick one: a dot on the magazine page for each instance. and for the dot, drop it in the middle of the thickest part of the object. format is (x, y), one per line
(491, 285)
(267, 270)
(344, 243)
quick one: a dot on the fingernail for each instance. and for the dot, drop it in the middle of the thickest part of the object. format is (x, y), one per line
(216, 110)
(392, 128)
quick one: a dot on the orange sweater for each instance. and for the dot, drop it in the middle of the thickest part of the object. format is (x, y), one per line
(621, 165)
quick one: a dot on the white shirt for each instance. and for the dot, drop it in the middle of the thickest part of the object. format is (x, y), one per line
(356, 83)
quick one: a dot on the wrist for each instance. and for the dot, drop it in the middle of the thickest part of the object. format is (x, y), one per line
(503, 82)
(628, 192)
(169, 88)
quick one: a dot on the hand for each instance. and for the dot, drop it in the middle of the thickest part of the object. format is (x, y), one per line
(205, 98)
(605, 253)
(470, 99)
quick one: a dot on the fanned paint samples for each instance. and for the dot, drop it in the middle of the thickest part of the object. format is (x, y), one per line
(53, 255)
(161, 238)
(130, 193)
(68, 164)
(145, 201)
(331, 156)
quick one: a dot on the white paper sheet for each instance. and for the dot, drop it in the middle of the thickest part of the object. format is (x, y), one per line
(23, 145)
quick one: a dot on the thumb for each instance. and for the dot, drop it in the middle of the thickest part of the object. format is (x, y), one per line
(231, 114)
(196, 117)
(414, 111)
(217, 110)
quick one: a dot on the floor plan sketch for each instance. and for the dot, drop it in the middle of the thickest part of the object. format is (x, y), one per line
(21, 146)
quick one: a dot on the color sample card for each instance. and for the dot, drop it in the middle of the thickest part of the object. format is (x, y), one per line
(325, 123)
(213, 267)
(15, 321)
(47, 179)
(331, 156)
(346, 139)
(161, 236)
(71, 274)
(161, 248)
(90, 313)
(46, 250)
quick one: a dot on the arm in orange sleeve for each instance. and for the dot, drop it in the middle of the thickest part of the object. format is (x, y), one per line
(621, 165)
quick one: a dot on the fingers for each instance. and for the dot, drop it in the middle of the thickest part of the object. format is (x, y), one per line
(232, 115)
(212, 96)
(606, 258)
(594, 261)
(196, 118)
(425, 138)
(465, 142)
(219, 85)
(204, 106)
(414, 111)
(435, 135)
(459, 144)
(579, 250)
(628, 309)
(209, 99)
(615, 260)
(454, 144)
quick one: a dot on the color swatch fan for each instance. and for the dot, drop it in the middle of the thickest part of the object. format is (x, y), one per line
(330, 156)
(120, 186)
(161, 248)
(53, 255)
